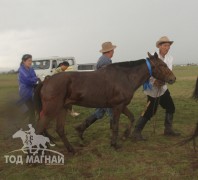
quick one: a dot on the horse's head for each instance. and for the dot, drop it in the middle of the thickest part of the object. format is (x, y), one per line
(160, 70)
(18, 134)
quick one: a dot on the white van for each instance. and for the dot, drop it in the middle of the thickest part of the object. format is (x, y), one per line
(46, 66)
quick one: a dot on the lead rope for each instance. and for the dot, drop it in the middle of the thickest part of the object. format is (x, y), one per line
(147, 85)
(155, 118)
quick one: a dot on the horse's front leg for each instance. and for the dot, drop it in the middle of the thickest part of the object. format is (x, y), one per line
(115, 125)
(42, 127)
(60, 123)
(130, 116)
(42, 124)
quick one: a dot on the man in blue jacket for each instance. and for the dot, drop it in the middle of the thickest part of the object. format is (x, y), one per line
(107, 53)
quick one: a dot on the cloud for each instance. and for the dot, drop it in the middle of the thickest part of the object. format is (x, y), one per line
(77, 28)
(12, 46)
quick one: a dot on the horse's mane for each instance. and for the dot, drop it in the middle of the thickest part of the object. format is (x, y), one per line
(128, 64)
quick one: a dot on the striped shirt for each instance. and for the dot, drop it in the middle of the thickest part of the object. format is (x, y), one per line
(103, 61)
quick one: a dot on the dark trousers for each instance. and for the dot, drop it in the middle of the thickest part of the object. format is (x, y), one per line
(100, 112)
(165, 101)
(31, 111)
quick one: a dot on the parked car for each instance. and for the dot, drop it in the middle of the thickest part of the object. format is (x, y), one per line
(87, 67)
(46, 66)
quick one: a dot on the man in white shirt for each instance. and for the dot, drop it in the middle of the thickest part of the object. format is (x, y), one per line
(158, 94)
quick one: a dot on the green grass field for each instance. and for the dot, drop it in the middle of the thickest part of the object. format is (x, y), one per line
(157, 158)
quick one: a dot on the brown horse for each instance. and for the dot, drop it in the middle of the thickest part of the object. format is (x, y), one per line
(110, 87)
(195, 93)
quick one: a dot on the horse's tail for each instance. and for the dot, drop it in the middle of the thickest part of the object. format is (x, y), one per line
(191, 138)
(195, 93)
(37, 98)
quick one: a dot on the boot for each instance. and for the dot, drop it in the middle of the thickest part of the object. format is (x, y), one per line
(73, 113)
(168, 131)
(81, 128)
(136, 134)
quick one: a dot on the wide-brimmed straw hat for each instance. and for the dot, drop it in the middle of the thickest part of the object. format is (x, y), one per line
(162, 40)
(107, 46)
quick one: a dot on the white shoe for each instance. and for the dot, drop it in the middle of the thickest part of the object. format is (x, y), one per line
(74, 114)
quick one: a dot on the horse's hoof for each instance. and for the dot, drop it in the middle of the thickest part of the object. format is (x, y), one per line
(127, 133)
(79, 132)
(81, 137)
(138, 139)
(116, 146)
(73, 152)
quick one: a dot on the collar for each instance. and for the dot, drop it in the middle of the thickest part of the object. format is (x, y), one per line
(147, 85)
(23, 66)
(149, 66)
(105, 57)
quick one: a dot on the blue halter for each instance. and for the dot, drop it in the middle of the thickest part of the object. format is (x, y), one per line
(147, 85)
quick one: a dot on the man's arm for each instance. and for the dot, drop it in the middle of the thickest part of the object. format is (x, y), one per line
(102, 63)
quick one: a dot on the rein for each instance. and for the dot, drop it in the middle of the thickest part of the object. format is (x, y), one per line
(148, 85)
(155, 103)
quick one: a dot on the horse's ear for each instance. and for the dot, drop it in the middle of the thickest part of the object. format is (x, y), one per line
(156, 55)
(21, 129)
(149, 55)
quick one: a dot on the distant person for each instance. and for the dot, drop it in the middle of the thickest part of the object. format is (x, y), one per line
(27, 81)
(107, 53)
(158, 94)
(62, 67)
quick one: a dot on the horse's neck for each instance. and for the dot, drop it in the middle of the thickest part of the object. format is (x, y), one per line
(138, 75)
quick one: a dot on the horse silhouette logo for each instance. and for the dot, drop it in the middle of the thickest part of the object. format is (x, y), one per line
(31, 141)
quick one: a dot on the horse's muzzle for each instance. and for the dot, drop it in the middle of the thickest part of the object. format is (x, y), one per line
(172, 80)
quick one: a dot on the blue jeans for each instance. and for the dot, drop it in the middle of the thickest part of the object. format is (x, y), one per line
(100, 112)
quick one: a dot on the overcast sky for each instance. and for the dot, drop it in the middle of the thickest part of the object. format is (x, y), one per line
(78, 27)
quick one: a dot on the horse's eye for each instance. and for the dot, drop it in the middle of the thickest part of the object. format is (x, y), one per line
(163, 65)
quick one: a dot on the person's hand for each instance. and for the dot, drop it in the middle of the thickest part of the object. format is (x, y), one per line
(159, 83)
(39, 80)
